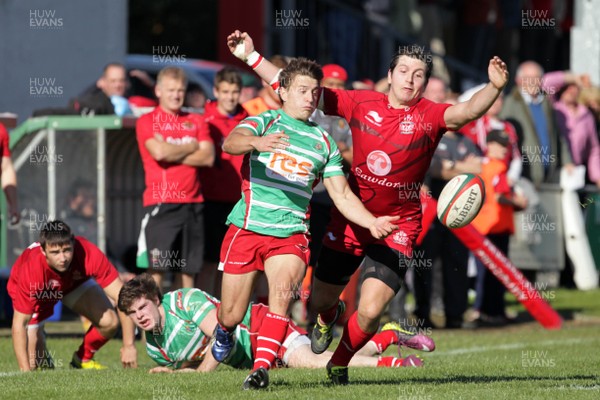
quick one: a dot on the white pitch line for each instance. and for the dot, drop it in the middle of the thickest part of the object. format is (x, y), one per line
(578, 387)
(508, 346)
(5, 374)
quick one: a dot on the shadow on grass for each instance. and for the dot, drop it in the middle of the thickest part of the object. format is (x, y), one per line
(466, 379)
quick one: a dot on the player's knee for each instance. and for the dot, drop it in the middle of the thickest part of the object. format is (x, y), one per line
(368, 317)
(230, 317)
(109, 323)
(370, 313)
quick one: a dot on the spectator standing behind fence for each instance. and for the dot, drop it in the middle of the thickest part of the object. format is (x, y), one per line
(495, 220)
(107, 96)
(9, 178)
(173, 146)
(575, 121)
(543, 148)
(221, 183)
(80, 212)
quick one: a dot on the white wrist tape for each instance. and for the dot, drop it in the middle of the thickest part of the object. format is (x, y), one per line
(254, 59)
(240, 50)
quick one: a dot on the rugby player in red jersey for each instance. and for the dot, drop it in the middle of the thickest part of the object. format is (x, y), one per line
(69, 268)
(394, 137)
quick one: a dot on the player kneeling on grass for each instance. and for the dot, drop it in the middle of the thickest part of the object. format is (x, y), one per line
(69, 268)
(180, 324)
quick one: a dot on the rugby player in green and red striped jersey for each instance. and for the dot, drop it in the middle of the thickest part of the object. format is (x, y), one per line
(285, 154)
(178, 327)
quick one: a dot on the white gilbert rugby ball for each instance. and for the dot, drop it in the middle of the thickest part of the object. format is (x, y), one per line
(461, 200)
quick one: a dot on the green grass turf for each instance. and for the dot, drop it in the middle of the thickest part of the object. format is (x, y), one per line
(522, 361)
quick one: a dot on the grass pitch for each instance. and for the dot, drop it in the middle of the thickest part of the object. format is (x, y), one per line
(522, 361)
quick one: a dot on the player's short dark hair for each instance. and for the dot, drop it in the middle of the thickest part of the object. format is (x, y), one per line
(300, 66)
(55, 233)
(142, 286)
(414, 51)
(229, 75)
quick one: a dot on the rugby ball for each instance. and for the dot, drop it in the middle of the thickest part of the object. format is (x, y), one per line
(460, 200)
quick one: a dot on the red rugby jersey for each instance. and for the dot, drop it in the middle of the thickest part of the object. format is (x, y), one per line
(392, 149)
(170, 182)
(35, 287)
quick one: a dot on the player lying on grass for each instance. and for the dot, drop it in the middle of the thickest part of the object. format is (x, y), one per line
(179, 326)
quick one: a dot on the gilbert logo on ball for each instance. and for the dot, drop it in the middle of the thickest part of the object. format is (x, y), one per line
(461, 200)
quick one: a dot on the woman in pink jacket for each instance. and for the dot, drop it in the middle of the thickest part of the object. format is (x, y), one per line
(575, 121)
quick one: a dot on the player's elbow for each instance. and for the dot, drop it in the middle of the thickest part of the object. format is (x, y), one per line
(228, 147)
(209, 160)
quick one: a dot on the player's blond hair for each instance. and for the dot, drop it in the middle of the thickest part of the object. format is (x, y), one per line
(173, 73)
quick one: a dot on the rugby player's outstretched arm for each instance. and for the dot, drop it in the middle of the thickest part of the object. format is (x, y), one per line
(240, 44)
(242, 141)
(353, 209)
(458, 115)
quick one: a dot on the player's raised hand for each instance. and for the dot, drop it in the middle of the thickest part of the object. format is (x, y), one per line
(273, 143)
(383, 227)
(240, 44)
(498, 73)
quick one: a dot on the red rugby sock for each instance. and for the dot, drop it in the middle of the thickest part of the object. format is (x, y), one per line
(327, 316)
(270, 337)
(92, 342)
(353, 339)
(389, 362)
(384, 339)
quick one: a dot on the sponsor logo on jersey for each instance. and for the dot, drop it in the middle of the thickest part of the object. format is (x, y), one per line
(374, 118)
(407, 126)
(401, 238)
(290, 168)
(379, 163)
(179, 140)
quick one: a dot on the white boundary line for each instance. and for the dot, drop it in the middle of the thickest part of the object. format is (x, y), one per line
(509, 346)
